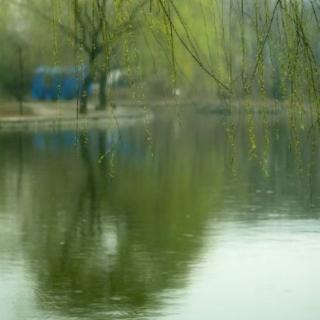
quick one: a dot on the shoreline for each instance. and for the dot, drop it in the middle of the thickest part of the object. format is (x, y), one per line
(121, 116)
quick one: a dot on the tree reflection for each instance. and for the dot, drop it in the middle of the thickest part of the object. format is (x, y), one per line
(116, 243)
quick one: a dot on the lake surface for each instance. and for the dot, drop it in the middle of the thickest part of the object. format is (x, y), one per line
(178, 219)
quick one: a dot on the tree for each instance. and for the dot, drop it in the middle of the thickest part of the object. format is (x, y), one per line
(15, 78)
(15, 73)
(97, 28)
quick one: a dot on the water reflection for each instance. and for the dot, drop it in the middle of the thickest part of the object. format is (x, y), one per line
(110, 224)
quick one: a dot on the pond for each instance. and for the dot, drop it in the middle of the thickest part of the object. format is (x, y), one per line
(178, 219)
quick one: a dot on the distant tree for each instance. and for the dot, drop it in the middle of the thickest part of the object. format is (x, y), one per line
(15, 78)
(15, 73)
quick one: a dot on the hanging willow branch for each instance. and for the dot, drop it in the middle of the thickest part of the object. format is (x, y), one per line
(189, 50)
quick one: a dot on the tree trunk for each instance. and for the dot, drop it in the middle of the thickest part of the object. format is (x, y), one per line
(20, 107)
(102, 90)
(20, 93)
(84, 94)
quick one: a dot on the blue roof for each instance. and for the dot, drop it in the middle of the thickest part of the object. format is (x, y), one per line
(52, 83)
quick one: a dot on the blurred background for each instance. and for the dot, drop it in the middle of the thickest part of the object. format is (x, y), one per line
(206, 50)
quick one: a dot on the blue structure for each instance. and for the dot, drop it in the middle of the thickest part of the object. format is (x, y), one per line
(53, 83)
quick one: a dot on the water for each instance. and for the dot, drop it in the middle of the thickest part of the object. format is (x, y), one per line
(177, 223)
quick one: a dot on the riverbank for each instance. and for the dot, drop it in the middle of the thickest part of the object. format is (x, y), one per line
(65, 114)
(62, 115)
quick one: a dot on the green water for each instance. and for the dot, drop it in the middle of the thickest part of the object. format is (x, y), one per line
(166, 221)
